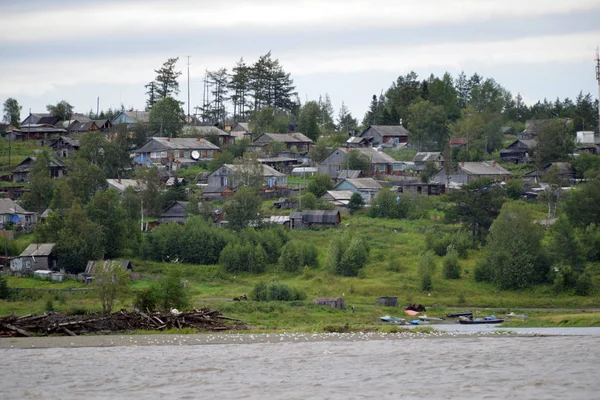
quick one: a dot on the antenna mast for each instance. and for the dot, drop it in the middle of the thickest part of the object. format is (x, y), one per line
(598, 79)
(188, 73)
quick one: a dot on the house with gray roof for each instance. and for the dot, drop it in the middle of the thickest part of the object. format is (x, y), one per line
(533, 127)
(56, 168)
(565, 173)
(422, 158)
(131, 117)
(386, 135)
(37, 256)
(518, 152)
(241, 130)
(229, 177)
(175, 151)
(315, 218)
(467, 172)
(366, 187)
(380, 162)
(64, 146)
(13, 214)
(206, 131)
(291, 141)
(34, 132)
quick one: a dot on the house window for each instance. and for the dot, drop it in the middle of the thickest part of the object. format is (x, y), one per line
(381, 167)
(154, 155)
(163, 154)
(186, 154)
(397, 140)
(204, 153)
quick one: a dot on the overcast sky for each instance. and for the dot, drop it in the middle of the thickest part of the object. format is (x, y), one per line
(77, 51)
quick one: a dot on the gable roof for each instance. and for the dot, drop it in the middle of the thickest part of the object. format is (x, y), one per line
(122, 184)
(162, 143)
(241, 126)
(295, 137)
(26, 164)
(66, 139)
(349, 173)
(38, 250)
(376, 156)
(457, 141)
(89, 269)
(362, 183)
(338, 195)
(533, 126)
(316, 216)
(266, 170)
(8, 206)
(426, 156)
(204, 130)
(389, 130)
(483, 168)
(50, 120)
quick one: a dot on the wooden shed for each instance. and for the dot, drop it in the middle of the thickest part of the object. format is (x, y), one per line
(334, 302)
(387, 301)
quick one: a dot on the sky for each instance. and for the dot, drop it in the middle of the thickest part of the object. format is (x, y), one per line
(77, 51)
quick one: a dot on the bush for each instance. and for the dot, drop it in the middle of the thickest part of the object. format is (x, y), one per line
(439, 245)
(146, 299)
(584, 285)
(291, 257)
(170, 292)
(356, 203)
(565, 279)
(4, 289)
(237, 257)
(49, 306)
(426, 284)
(274, 291)
(346, 255)
(388, 204)
(483, 272)
(451, 266)
(426, 264)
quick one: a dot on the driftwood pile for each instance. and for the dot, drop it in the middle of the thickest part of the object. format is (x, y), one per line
(205, 320)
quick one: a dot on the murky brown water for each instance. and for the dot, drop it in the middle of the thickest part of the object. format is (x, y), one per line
(429, 368)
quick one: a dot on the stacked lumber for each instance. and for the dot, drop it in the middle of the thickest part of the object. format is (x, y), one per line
(204, 320)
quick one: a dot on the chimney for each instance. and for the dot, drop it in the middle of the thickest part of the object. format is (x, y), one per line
(462, 164)
(494, 164)
(197, 139)
(168, 139)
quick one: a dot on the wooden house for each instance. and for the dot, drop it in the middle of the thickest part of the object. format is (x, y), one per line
(339, 198)
(420, 188)
(566, 173)
(315, 218)
(281, 164)
(103, 124)
(175, 152)
(175, 212)
(533, 127)
(387, 135)
(380, 162)
(21, 172)
(88, 275)
(64, 146)
(229, 176)
(13, 214)
(366, 187)
(518, 152)
(208, 132)
(333, 302)
(129, 118)
(422, 158)
(470, 171)
(37, 256)
(291, 142)
(457, 142)
(34, 132)
(241, 130)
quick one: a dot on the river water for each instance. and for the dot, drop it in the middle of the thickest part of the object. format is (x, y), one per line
(448, 366)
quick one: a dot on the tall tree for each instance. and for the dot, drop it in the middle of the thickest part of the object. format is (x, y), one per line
(556, 141)
(12, 112)
(41, 185)
(167, 117)
(106, 211)
(152, 94)
(442, 93)
(406, 90)
(62, 110)
(239, 86)
(243, 208)
(166, 79)
(308, 121)
(111, 283)
(345, 122)
(427, 126)
(218, 81)
(326, 117)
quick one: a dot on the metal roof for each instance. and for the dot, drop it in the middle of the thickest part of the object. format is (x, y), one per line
(8, 206)
(162, 143)
(267, 171)
(38, 250)
(376, 157)
(339, 194)
(364, 183)
(427, 156)
(483, 168)
(316, 216)
(352, 174)
(389, 130)
(295, 137)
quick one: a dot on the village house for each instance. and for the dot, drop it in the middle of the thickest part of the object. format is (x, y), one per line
(380, 162)
(225, 180)
(339, 198)
(57, 169)
(103, 124)
(241, 130)
(386, 135)
(586, 142)
(207, 131)
(34, 132)
(13, 214)
(422, 158)
(520, 151)
(174, 152)
(565, 173)
(129, 118)
(420, 188)
(281, 164)
(37, 256)
(88, 275)
(334, 302)
(315, 218)
(467, 172)
(366, 187)
(457, 142)
(293, 142)
(175, 212)
(64, 146)
(6, 128)
(358, 141)
(533, 127)
(120, 185)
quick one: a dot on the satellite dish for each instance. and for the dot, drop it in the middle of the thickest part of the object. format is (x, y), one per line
(195, 154)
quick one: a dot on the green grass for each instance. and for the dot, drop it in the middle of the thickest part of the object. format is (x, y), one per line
(37, 283)
(572, 320)
(18, 152)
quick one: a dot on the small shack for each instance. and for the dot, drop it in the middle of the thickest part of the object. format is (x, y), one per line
(334, 302)
(315, 218)
(387, 301)
(37, 256)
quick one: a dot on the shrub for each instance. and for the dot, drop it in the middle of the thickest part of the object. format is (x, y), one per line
(146, 299)
(394, 264)
(426, 284)
(451, 266)
(49, 306)
(170, 291)
(356, 203)
(584, 285)
(483, 272)
(274, 291)
(565, 279)
(310, 255)
(426, 264)
(346, 256)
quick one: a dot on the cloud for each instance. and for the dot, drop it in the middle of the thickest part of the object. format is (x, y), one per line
(126, 18)
(44, 74)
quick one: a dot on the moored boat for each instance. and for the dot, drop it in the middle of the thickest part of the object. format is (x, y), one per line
(480, 321)
(426, 318)
(392, 320)
(459, 314)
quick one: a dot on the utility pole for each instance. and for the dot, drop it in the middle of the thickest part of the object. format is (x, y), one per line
(598, 79)
(188, 73)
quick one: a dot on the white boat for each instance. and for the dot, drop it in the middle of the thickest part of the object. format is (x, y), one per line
(393, 320)
(426, 318)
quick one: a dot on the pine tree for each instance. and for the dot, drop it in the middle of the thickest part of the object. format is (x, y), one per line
(166, 79)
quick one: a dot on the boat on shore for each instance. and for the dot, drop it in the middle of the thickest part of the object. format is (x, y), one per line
(477, 321)
(426, 318)
(392, 320)
(459, 314)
